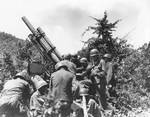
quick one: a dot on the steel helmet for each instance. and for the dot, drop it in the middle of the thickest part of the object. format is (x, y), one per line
(38, 82)
(23, 75)
(94, 52)
(72, 67)
(65, 63)
(107, 56)
(83, 60)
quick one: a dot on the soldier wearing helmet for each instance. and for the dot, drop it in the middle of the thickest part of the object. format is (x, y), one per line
(61, 87)
(71, 67)
(86, 88)
(15, 95)
(107, 57)
(84, 62)
(81, 71)
(98, 76)
(94, 56)
(38, 98)
(108, 67)
(75, 60)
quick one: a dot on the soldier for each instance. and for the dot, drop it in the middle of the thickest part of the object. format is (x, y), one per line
(98, 76)
(75, 60)
(113, 79)
(108, 67)
(38, 98)
(14, 99)
(90, 105)
(82, 71)
(61, 88)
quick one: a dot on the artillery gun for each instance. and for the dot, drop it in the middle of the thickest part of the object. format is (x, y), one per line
(42, 44)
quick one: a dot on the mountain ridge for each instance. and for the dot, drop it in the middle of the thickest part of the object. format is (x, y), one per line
(8, 43)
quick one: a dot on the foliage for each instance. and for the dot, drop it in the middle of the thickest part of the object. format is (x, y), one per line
(133, 74)
(8, 43)
(24, 51)
(8, 64)
(104, 40)
(133, 80)
(15, 53)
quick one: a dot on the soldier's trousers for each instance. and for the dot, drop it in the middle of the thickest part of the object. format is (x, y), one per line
(102, 92)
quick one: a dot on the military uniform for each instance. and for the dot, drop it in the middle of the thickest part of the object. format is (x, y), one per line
(84, 71)
(14, 99)
(113, 81)
(61, 88)
(103, 83)
(36, 104)
(38, 98)
(86, 88)
(98, 76)
(61, 85)
(108, 69)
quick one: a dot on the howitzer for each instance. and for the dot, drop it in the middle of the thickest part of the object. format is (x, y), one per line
(42, 43)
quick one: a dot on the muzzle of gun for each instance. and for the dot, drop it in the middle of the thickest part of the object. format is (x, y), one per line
(42, 43)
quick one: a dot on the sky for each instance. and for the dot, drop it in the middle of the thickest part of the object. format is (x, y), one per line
(64, 21)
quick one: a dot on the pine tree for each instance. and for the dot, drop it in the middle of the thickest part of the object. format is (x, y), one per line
(104, 40)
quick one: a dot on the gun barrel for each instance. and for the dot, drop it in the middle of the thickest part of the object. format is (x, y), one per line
(29, 25)
(42, 42)
(49, 42)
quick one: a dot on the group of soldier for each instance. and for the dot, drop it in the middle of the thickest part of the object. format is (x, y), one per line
(71, 85)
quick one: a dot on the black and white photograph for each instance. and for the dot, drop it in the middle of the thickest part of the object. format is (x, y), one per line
(74, 58)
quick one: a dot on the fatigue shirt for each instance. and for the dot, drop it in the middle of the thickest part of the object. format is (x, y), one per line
(15, 96)
(61, 85)
(108, 68)
(16, 87)
(37, 102)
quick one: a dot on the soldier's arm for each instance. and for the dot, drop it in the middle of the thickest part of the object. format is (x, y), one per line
(81, 75)
(75, 88)
(102, 65)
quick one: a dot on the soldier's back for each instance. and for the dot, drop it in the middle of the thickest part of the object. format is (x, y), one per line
(62, 85)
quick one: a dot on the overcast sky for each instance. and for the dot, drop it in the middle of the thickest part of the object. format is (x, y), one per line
(65, 20)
